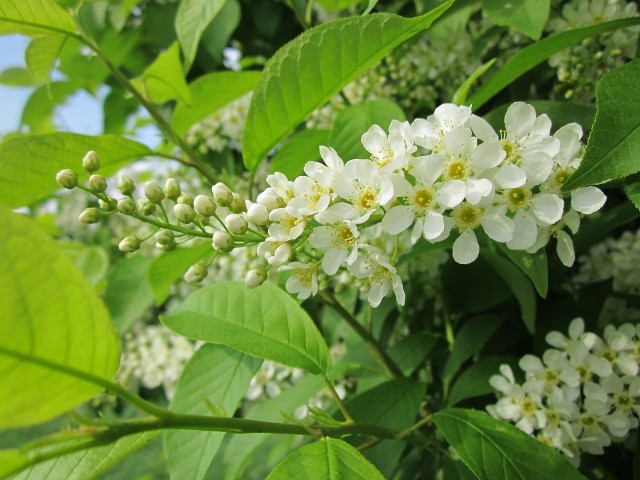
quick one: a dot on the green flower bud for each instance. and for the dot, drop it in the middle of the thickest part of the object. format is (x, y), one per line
(146, 207)
(184, 213)
(129, 244)
(186, 199)
(236, 224)
(204, 205)
(167, 248)
(126, 185)
(165, 237)
(153, 192)
(196, 273)
(238, 204)
(90, 215)
(222, 194)
(255, 277)
(97, 183)
(222, 241)
(107, 206)
(126, 206)
(91, 162)
(172, 189)
(67, 178)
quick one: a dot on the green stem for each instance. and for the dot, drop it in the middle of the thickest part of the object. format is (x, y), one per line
(338, 400)
(299, 15)
(378, 352)
(176, 228)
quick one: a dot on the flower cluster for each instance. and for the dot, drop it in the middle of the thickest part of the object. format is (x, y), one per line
(155, 356)
(582, 395)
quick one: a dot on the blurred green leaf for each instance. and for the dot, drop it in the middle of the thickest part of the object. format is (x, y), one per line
(41, 55)
(474, 381)
(163, 80)
(534, 266)
(632, 189)
(296, 151)
(192, 19)
(34, 17)
(305, 73)
(526, 16)
(17, 77)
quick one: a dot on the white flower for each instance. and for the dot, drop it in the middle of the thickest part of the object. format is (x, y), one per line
(380, 274)
(303, 280)
(429, 133)
(275, 251)
(388, 153)
(339, 241)
(288, 223)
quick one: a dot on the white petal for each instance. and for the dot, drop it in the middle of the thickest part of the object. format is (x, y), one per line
(538, 166)
(510, 176)
(488, 155)
(531, 364)
(482, 129)
(587, 200)
(498, 227)
(519, 119)
(433, 225)
(466, 248)
(576, 328)
(547, 208)
(525, 232)
(452, 193)
(398, 219)
(564, 248)
(333, 259)
(477, 189)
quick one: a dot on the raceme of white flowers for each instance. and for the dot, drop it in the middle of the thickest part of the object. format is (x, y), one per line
(582, 395)
(449, 174)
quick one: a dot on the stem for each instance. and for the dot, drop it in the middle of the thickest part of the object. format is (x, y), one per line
(378, 352)
(177, 228)
(338, 400)
(308, 17)
(298, 14)
(192, 160)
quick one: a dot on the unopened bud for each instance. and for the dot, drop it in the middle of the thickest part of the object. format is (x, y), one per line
(222, 194)
(91, 162)
(236, 224)
(126, 206)
(255, 277)
(67, 178)
(107, 206)
(167, 248)
(184, 213)
(269, 200)
(97, 183)
(172, 189)
(196, 273)
(204, 205)
(126, 185)
(146, 207)
(153, 192)
(222, 241)
(129, 244)
(258, 214)
(165, 237)
(186, 199)
(90, 215)
(238, 205)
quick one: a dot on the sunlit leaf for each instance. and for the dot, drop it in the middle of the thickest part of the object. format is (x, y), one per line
(34, 17)
(192, 19)
(526, 16)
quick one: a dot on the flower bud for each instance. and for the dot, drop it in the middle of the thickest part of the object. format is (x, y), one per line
(126, 185)
(107, 206)
(165, 237)
(167, 248)
(153, 192)
(281, 255)
(97, 183)
(258, 214)
(172, 189)
(196, 273)
(236, 224)
(146, 207)
(269, 200)
(222, 241)
(238, 204)
(126, 206)
(255, 277)
(129, 244)
(222, 194)
(90, 215)
(184, 213)
(91, 162)
(186, 199)
(204, 205)
(67, 178)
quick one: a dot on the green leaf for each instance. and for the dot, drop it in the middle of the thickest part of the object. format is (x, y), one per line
(209, 94)
(519, 285)
(614, 143)
(354, 121)
(163, 79)
(28, 164)
(34, 17)
(526, 16)
(410, 352)
(632, 189)
(222, 376)
(16, 77)
(474, 381)
(496, 449)
(460, 95)
(534, 266)
(85, 463)
(393, 404)
(218, 34)
(327, 459)
(305, 73)
(170, 267)
(469, 340)
(91, 260)
(41, 55)
(264, 322)
(301, 148)
(192, 19)
(50, 320)
(533, 55)
(38, 111)
(128, 294)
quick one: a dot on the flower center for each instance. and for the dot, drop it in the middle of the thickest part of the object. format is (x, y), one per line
(367, 198)
(423, 198)
(457, 170)
(560, 176)
(305, 275)
(623, 400)
(385, 155)
(344, 235)
(584, 372)
(467, 216)
(588, 420)
(518, 198)
(551, 377)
